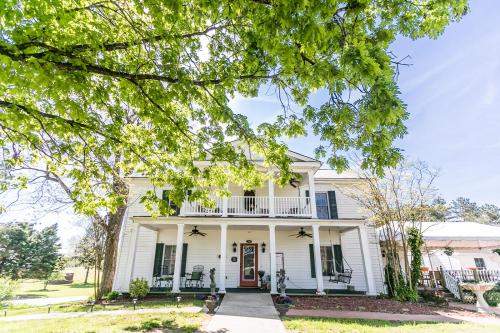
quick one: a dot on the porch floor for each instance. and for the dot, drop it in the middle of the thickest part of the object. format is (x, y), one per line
(333, 292)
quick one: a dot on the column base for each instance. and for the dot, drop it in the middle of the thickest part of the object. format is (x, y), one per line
(221, 291)
(321, 293)
(175, 291)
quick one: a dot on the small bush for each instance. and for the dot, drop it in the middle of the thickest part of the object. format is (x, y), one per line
(492, 296)
(138, 288)
(432, 297)
(7, 288)
(111, 296)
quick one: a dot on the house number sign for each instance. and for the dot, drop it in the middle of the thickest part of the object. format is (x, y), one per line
(234, 259)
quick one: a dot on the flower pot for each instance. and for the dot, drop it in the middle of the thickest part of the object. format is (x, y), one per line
(282, 309)
(211, 304)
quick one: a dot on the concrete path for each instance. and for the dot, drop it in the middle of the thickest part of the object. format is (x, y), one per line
(47, 301)
(441, 316)
(57, 315)
(242, 313)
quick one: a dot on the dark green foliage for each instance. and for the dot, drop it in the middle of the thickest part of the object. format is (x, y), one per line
(415, 243)
(138, 288)
(28, 253)
(493, 296)
(111, 296)
(432, 296)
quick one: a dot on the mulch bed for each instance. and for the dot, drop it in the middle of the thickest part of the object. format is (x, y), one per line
(369, 304)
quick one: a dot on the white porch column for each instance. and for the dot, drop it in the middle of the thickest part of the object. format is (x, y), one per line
(312, 194)
(367, 260)
(222, 264)
(272, 253)
(134, 235)
(317, 260)
(225, 204)
(178, 259)
(270, 186)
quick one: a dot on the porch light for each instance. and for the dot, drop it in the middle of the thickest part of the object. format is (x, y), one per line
(263, 247)
(234, 247)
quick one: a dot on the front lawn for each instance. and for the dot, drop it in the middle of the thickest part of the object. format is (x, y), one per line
(331, 325)
(16, 310)
(30, 288)
(173, 322)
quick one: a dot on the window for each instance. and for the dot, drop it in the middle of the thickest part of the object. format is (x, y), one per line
(322, 208)
(165, 197)
(280, 261)
(479, 263)
(168, 260)
(326, 260)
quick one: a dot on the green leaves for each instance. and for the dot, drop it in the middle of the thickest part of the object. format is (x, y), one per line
(102, 90)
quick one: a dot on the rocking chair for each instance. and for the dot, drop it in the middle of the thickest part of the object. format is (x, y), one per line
(195, 279)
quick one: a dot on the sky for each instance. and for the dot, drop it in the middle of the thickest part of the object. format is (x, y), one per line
(452, 91)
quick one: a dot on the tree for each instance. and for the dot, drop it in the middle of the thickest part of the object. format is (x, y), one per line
(398, 203)
(438, 211)
(28, 253)
(95, 91)
(463, 209)
(490, 213)
(89, 250)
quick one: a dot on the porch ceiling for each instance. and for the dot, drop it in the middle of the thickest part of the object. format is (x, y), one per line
(163, 223)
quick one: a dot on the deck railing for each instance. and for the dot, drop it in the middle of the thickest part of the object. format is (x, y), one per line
(454, 278)
(251, 206)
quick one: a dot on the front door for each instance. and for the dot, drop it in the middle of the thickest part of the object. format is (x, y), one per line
(249, 276)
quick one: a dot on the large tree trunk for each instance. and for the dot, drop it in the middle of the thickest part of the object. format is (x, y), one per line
(86, 275)
(110, 251)
(112, 230)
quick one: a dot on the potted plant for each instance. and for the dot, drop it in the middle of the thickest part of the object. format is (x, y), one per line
(283, 304)
(424, 269)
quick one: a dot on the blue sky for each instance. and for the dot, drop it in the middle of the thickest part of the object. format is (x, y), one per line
(453, 95)
(452, 91)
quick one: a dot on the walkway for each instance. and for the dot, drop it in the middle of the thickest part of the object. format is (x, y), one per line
(57, 315)
(241, 313)
(47, 301)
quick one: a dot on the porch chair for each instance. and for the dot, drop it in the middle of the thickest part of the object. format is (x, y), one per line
(195, 279)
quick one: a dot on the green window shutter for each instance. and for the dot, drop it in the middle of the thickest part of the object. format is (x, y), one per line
(339, 261)
(184, 257)
(164, 197)
(158, 259)
(311, 258)
(332, 202)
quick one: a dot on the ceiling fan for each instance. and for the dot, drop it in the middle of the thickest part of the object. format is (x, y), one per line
(196, 232)
(301, 234)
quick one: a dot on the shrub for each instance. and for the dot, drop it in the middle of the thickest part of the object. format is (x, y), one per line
(138, 288)
(492, 296)
(7, 288)
(111, 296)
(433, 297)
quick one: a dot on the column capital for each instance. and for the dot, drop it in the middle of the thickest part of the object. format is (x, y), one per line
(315, 226)
(223, 226)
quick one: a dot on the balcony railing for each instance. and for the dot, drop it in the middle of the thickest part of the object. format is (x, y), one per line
(251, 206)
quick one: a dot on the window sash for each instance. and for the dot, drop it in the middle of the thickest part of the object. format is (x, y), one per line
(327, 262)
(479, 262)
(168, 263)
(322, 205)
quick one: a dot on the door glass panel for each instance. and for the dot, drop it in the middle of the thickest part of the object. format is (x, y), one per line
(248, 262)
(322, 205)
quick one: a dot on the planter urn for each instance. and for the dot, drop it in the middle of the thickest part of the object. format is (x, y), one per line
(282, 309)
(211, 304)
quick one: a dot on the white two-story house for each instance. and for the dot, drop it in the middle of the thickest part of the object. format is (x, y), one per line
(310, 228)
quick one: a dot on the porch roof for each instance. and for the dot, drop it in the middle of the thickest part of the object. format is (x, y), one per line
(158, 223)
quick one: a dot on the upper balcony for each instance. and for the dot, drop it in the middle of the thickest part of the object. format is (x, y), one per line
(254, 206)
(292, 200)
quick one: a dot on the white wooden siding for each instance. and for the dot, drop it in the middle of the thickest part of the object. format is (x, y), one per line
(205, 251)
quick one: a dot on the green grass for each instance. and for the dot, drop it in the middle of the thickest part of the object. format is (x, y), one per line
(176, 322)
(17, 310)
(34, 288)
(331, 325)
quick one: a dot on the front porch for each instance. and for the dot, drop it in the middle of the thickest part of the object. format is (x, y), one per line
(241, 249)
